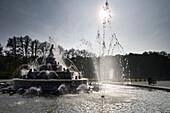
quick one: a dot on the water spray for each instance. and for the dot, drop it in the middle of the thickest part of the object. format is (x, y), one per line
(108, 45)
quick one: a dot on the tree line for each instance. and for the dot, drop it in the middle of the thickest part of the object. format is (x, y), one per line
(24, 50)
(154, 64)
(19, 50)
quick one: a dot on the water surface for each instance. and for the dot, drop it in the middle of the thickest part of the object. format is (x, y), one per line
(118, 99)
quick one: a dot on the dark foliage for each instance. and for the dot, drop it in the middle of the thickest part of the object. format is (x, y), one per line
(155, 64)
(23, 50)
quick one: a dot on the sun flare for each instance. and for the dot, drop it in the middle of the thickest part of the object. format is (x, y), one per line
(105, 14)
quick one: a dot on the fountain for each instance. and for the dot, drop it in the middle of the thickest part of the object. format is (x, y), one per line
(110, 65)
(51, 76)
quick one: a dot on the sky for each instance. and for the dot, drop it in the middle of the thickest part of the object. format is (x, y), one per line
(140, 25)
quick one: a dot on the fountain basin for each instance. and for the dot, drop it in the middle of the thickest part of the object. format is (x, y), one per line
(48, 85)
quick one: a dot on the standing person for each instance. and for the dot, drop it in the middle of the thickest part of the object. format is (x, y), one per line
(150, 80)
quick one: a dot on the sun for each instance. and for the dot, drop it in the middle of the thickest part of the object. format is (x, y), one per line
(104, 15)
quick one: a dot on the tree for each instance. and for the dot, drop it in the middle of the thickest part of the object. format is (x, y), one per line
(12, 44)
(27, 42)
(43, 48)
(1, 50)
(21, 45)
(164, 53)
(32, 48)
(36, 46)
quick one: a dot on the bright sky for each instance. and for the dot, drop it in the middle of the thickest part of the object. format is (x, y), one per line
(140, 25)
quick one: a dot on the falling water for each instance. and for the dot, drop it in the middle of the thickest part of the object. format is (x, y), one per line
(57, 52)
(111, 62)
(85, 44)
(22, 70)
(108, 65)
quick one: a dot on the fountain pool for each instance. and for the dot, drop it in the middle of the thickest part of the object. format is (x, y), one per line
(124, 99)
